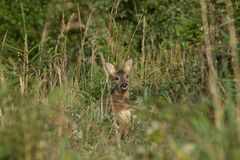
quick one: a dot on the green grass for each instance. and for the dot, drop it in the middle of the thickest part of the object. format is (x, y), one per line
(50, 89)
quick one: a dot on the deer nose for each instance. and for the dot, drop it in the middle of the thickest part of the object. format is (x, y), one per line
(124, 85)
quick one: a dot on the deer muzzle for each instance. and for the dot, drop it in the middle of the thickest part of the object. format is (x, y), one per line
(124, 86)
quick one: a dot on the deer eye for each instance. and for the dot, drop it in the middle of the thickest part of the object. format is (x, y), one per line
(116, 78)
(127, 76)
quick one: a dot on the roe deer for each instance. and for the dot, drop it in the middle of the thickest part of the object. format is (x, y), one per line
(118, 103)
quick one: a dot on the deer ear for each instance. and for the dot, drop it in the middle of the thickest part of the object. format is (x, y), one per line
(110, 69)
(128, 66)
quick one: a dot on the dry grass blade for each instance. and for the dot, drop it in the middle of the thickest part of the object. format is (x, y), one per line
(212, 81)
(235, 58)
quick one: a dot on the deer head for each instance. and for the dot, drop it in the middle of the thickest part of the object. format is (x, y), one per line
(120, 77)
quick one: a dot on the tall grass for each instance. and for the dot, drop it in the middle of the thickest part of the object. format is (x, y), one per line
(49, 98)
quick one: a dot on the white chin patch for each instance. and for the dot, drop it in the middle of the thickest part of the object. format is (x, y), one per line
(124, 89)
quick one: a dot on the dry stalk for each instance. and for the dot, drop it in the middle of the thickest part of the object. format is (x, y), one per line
(212, 77)
(235, 60)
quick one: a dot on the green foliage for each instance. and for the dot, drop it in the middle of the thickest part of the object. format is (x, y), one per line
(52, 82)
(12, 20)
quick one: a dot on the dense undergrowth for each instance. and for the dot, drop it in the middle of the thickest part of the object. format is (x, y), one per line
(52, 78)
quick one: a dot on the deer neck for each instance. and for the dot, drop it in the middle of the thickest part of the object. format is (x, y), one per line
(119, 94)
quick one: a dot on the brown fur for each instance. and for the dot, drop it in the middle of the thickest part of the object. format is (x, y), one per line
(115, 104)
(118, 103)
